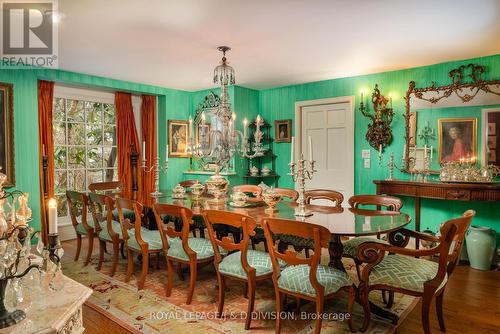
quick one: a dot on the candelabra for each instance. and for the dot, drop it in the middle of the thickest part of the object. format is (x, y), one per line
(300, 173)
(156, 168)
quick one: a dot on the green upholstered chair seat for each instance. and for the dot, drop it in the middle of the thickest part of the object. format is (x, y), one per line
(81, 230)
(296, 279)
(202, 247)
(404, 272)
(104, 234)
(351, 245)
(296, 241)
(261, 261)
(153, 238)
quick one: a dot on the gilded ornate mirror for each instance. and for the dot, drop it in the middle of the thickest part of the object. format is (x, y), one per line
(454, 122)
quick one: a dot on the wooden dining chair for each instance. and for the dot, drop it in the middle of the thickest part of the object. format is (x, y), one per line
(288, 194)
(251, 189)
(335, 200)
(138, 239)
(243, 264)
(389, 203)
(107, 188)
(179, 247)
(305, 278)
(108, 229)
(399, 269)
(77, 204)
(188, 183)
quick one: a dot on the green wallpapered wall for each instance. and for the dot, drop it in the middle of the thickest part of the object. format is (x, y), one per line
(272, 104)
(279, 103)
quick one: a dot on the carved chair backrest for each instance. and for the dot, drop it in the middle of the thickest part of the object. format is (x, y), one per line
(173, 212)
(292, 194)
(390, 203)
(102, 207)
(331, 195)
(77, 206)
(188, 183)
(106, 187)
(256, 191)
(136, 207)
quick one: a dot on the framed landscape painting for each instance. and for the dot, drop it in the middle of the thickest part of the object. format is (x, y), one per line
(178, 132)
(457, 139)
(7, 133)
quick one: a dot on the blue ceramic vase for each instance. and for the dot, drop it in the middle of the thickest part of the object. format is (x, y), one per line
(481, 244)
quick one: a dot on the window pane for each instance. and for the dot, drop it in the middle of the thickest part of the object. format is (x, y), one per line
(76, 134)
(94, 134)
(59, 157)
(109, 114)
(59, 133)
(109, 135)
(61, 181)
(76, 157)
(94, 157)
(62, 206)
(75, 111)
(110, 155)
(59, 115)
(110, 175)
(94, 112)
(76, 180)
(94, 175)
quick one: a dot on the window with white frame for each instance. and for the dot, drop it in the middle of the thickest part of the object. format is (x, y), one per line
(85, 148)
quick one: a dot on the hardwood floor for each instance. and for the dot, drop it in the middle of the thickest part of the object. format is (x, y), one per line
(471, 305)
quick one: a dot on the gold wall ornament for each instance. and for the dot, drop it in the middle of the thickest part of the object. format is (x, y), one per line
(379, 133)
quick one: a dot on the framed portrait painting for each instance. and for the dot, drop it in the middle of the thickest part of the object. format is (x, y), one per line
(7, 133)
(457, 139)
(283, 131)
(178, 132)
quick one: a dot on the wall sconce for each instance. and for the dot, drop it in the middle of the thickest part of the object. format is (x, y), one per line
(379, 133)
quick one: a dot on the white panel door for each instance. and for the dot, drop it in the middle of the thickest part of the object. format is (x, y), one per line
(331, 127)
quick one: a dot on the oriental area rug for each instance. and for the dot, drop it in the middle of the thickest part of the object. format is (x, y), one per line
(149, 311)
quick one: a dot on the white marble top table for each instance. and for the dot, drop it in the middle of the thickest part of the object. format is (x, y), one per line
(54, 311)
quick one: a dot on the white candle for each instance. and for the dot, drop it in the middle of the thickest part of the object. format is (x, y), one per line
(166, 156)
(380, 150)
(431, 153)
(425, 151)
(245, 123)
(52, 214)
(361, 96)
(143, 151)
(404, 150)
(292, 157)
(310, 149)
(190, 127)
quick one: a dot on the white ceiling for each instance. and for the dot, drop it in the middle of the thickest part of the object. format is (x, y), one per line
(172, 43)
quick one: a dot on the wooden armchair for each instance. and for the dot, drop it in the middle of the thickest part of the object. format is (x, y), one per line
(137, 239)
(305, 278)
(245, 265)
(400, 270)
(108, 229)
(77, 203)
(179, 247)
(299, 243)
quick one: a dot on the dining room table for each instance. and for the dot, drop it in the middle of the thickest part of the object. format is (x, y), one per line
(341, 222)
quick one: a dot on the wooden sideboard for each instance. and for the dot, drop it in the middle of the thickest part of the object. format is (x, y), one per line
(438, 190)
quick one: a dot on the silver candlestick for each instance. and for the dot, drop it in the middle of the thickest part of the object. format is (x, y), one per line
(391, 166)
(156, 168)
(300, 174)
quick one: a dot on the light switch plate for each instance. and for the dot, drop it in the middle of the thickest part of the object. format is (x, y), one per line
(365, 154)
(367, 163)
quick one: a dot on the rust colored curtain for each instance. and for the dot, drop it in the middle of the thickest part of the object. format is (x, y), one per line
(148, 127)
(127, 142)
(45, 147)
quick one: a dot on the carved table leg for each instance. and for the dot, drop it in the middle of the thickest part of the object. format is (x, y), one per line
(336, 250)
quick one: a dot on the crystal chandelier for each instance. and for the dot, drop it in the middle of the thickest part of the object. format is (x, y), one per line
(223, 141)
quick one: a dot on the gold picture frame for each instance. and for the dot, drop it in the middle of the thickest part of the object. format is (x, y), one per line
(7, 133)
(283, 131)
(178, 132)
(457, 139)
